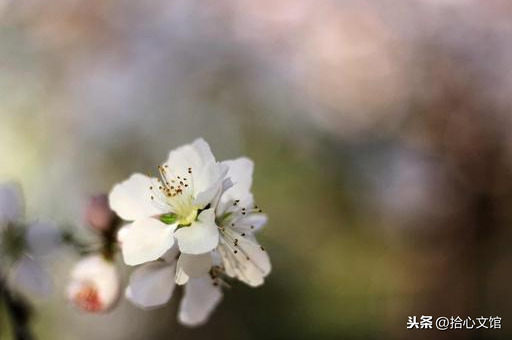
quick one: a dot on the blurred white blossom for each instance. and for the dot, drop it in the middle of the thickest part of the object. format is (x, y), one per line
(24, 248)
(94, 285)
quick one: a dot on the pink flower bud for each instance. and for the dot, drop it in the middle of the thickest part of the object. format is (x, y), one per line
(98, 214)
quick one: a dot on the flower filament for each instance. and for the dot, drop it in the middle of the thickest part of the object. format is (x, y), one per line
(175, 193)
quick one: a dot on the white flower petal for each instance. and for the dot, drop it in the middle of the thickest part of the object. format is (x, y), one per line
(208, 183)
(207, 216)
(122, 232)
(131, 199)
(30, 276)
(240, 172)
(250, 222)
(12, 204)
(151, 284)
(195, 155)
(94, 285)
(181, 277)
(226, 184)
(147, 240)
(192, 266)
(249, 264)
(200, 298)
(201, 236)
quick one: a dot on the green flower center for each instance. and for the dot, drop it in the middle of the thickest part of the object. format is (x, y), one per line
(188, 219)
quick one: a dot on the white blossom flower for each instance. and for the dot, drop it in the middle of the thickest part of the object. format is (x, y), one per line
(237, 255)
(189, 181)
(24, 248)
(152, 285)
(94, 285)
(238, 218)
(214, 227)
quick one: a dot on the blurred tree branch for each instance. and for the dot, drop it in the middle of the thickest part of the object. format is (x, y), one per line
(18, 311)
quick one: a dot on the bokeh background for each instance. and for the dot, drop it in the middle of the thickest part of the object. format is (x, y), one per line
(380, 131)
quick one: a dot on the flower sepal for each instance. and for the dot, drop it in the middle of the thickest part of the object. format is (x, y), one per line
(169, 218)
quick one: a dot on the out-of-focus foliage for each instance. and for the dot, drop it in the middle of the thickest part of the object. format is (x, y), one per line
(379, 130)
